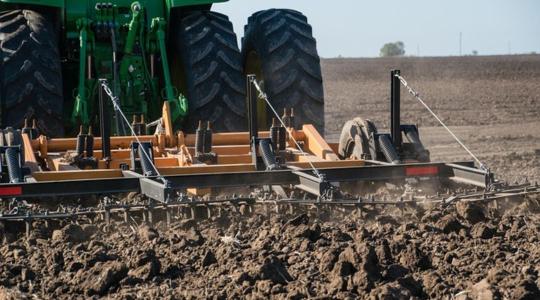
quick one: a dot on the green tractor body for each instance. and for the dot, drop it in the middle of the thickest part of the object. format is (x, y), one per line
(115, 41)
(149, 52)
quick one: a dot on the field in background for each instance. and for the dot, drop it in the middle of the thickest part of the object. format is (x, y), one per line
(491, 102)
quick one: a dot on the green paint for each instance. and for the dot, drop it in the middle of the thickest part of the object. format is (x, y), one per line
(141, 38)
(80, 109)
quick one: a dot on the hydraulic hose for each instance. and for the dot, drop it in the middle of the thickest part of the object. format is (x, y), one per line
(119, 125)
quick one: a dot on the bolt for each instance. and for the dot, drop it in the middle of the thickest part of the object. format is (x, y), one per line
(136, 7)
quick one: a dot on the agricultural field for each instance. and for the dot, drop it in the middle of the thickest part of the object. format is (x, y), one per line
(492, 103)
(462, 251)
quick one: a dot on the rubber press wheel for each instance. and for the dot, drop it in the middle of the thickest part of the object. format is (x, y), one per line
(355, 140)
(207, 65)
(30, 72)
(279, 48)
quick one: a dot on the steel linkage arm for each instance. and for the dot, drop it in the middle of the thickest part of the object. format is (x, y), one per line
(80, 109)
(179, 105)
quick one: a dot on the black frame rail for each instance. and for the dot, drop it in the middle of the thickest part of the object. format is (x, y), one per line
(154, 188)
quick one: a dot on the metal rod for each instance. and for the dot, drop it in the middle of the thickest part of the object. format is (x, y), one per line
(252, 107)
(395, 114)
(152, 65)
(104, 123)
(120, 129)
(89, 62)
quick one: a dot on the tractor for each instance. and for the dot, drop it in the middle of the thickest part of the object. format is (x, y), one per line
(54, 52)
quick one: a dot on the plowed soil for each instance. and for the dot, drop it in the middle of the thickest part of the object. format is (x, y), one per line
(462, 251)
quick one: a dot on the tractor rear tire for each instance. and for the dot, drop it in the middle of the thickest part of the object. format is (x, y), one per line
(30, 72)
(279, 48)
(212, 71)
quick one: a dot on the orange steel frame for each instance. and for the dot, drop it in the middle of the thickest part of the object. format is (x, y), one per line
(173, 154)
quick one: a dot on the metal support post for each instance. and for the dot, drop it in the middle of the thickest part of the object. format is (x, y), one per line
(252, 107)
(395, 117)
(252, 98)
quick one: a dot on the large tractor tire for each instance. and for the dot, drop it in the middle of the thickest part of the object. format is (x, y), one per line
(279, 48)
(211, 68)
(30, 72)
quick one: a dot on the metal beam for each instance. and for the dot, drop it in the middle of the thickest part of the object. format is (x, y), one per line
(395, 110)
(132, 181)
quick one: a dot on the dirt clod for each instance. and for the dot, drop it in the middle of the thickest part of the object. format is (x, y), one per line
(482, 231)
(106, 276)
(449, 223)
(70, 233)
(471, 212)
(148, 233)
(274, 270)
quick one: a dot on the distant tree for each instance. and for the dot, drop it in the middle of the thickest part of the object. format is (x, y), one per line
(474, 52)
(393, 49)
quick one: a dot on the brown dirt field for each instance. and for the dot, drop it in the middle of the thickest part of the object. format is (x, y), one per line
(461, 251)
(466, 251)
(492, 103)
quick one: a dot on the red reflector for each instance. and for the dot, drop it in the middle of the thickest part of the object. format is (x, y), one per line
(422, 171)
(11, 191)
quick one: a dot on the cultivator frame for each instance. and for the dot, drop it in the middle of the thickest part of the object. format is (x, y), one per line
(181, 164)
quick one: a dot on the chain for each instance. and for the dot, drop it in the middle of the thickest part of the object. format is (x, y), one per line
(115, 101)
(417, 96)
(263, 96)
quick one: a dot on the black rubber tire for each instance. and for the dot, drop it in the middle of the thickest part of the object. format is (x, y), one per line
(287, 60)
(212, 68)
(30, 72)
(354, 141)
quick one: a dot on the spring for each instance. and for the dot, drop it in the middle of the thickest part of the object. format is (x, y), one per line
(388, 149)
(269, 159)
(13, 161)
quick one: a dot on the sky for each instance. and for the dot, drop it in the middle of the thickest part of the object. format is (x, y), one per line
(358, 28)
